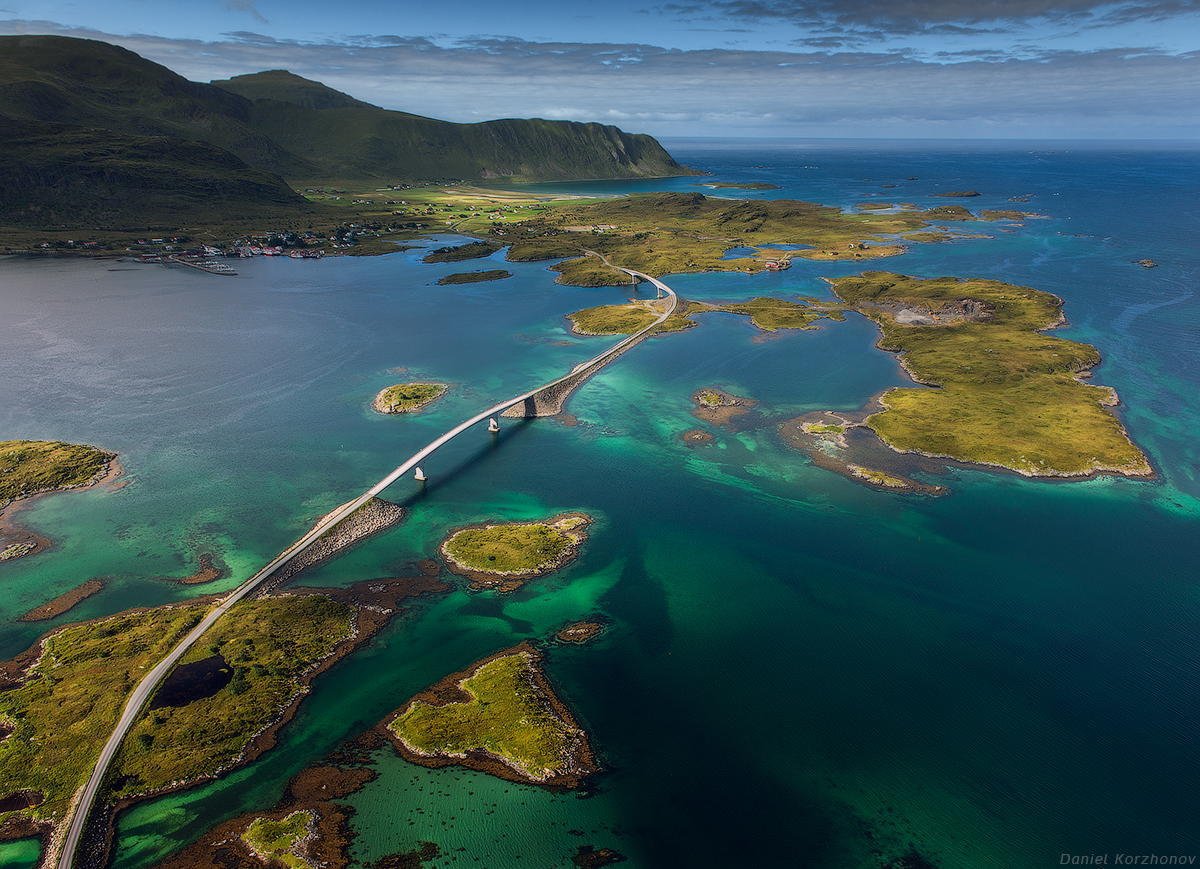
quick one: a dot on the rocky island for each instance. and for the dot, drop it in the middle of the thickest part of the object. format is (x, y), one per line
(408, 397)
(506, 555)
(500, 716)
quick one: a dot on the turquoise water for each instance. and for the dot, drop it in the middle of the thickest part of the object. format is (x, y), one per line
(800, 670)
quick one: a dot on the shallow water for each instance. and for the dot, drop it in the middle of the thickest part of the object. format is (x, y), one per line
(800, 670)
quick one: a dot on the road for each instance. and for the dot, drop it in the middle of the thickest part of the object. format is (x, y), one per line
(150, 682)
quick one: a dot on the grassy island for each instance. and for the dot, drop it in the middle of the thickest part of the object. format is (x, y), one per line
(1009, 395)
(660, 233)
(461, 252)
(271, 643)
(220, 708)
(613, 319)
(500, 716)
(474, 277)
(282, 841)
(30, 468)
(506, 555)
(718, 406)
(408, 397)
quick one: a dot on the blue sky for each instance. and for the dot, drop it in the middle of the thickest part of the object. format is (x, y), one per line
(905, 68)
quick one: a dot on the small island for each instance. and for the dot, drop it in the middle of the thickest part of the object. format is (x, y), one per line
(579, 633)
(734, 185)
(459, 252)
(408, 397)
(64, 602)
(958, 194)
(718, 406)
(474, 277)
(499, 716)
(284, 840)
(697, 437)
(612, 319)
(506, 555)
(1147, 263)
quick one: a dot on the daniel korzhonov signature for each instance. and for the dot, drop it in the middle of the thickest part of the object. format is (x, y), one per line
(1121, 858)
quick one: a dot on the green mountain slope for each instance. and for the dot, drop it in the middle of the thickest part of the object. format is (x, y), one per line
(93, 135)
(56, 176)
(347, 138)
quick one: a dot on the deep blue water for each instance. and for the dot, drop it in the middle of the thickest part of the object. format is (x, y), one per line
(800, 670)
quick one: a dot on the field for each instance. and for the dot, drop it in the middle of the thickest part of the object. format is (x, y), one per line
(30, 467)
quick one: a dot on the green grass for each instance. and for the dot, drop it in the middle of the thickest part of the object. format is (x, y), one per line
(661, 233)
(30, 467)
(514, 547)
(823, 428)
(281, 840)
(879, 478)
(474, 277)
(507, 716)
(407, 397)
(772, 314)
(1008, 394)
(612, 319)
(66, 708)
(271, 643)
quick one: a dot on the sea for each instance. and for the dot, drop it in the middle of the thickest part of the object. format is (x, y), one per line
(798, 670)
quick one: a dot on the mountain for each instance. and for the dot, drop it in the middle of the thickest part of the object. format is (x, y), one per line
(348, 138)
(86, 127)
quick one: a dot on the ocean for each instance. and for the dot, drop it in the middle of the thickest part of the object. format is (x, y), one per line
(799, 670)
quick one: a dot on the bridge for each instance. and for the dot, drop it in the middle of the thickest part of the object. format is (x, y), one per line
(545, 400)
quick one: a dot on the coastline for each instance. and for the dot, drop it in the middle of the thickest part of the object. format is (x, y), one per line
(10, 528)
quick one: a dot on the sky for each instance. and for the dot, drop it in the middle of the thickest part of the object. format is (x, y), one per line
(726, 68)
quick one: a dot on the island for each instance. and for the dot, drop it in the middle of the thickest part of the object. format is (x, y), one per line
(408, 397)
(958, 194)
(63, 695)
(734, 185)
(461, 252)
(1147, 263)
(64, 602)
(766, 313)
(506, 555)
(474, 277)
(1008, 395)
(29, 469)
(283, 840)
(719, 407)
(697, 437)
(661, 233)
(500, 716)
(579, 633)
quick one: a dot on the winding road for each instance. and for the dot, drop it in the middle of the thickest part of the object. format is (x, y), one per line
(83, 805)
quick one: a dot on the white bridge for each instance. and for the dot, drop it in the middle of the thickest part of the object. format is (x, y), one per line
(542, 401)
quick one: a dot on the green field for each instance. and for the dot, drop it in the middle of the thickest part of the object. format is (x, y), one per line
(30, 467)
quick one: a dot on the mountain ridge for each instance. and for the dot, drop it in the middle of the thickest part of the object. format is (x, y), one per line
(127, 123)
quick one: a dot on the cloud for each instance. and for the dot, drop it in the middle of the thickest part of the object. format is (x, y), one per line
(247, 6)
(1130, 92)
(932, 17)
